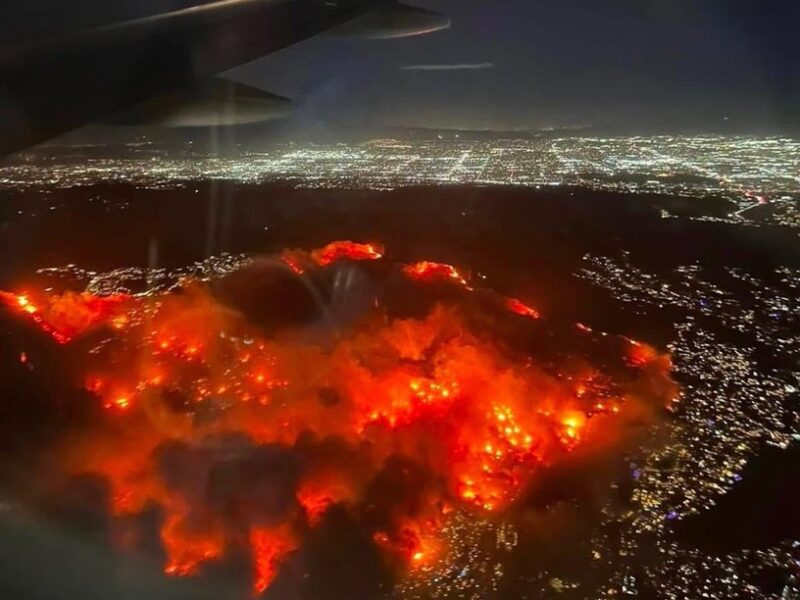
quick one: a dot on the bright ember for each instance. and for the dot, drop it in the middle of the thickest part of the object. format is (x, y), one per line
(397, 421)
(68, 315)
(427, 271)
(518, 306)
(346, 249)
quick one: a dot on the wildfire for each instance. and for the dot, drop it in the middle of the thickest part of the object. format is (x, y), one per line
(301, 261)
(427, 271)
(347, 249)
(522, 309)
(269, 548)
(640, 355)
(398, 421)
(68, 315)
(187, 549)
(316, 495)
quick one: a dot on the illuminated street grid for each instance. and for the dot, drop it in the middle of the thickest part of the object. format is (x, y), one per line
(749, 170)
(731, 404)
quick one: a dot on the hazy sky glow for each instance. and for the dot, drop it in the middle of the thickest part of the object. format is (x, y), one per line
(671, 65)
(621, 63)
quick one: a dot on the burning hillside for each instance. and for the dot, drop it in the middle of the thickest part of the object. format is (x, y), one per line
(420, 405)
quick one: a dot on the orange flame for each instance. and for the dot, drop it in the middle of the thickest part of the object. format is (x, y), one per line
(460, 406)
(300, 261)
(68, 315)
(347, 249)
(427, 271)
(641, 355)
(269, 548)
(186, 549)
(522, 309)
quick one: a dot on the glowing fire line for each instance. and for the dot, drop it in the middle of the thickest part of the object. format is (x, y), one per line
(425, 388)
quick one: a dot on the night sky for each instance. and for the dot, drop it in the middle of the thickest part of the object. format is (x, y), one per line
(636, 65)
(669, 65)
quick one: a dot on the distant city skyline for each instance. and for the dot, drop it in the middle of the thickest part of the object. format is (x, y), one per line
(745, 169)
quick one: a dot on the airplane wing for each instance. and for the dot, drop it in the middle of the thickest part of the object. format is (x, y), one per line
(159, 67)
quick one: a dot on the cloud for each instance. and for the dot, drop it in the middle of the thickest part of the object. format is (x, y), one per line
(455, 67)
